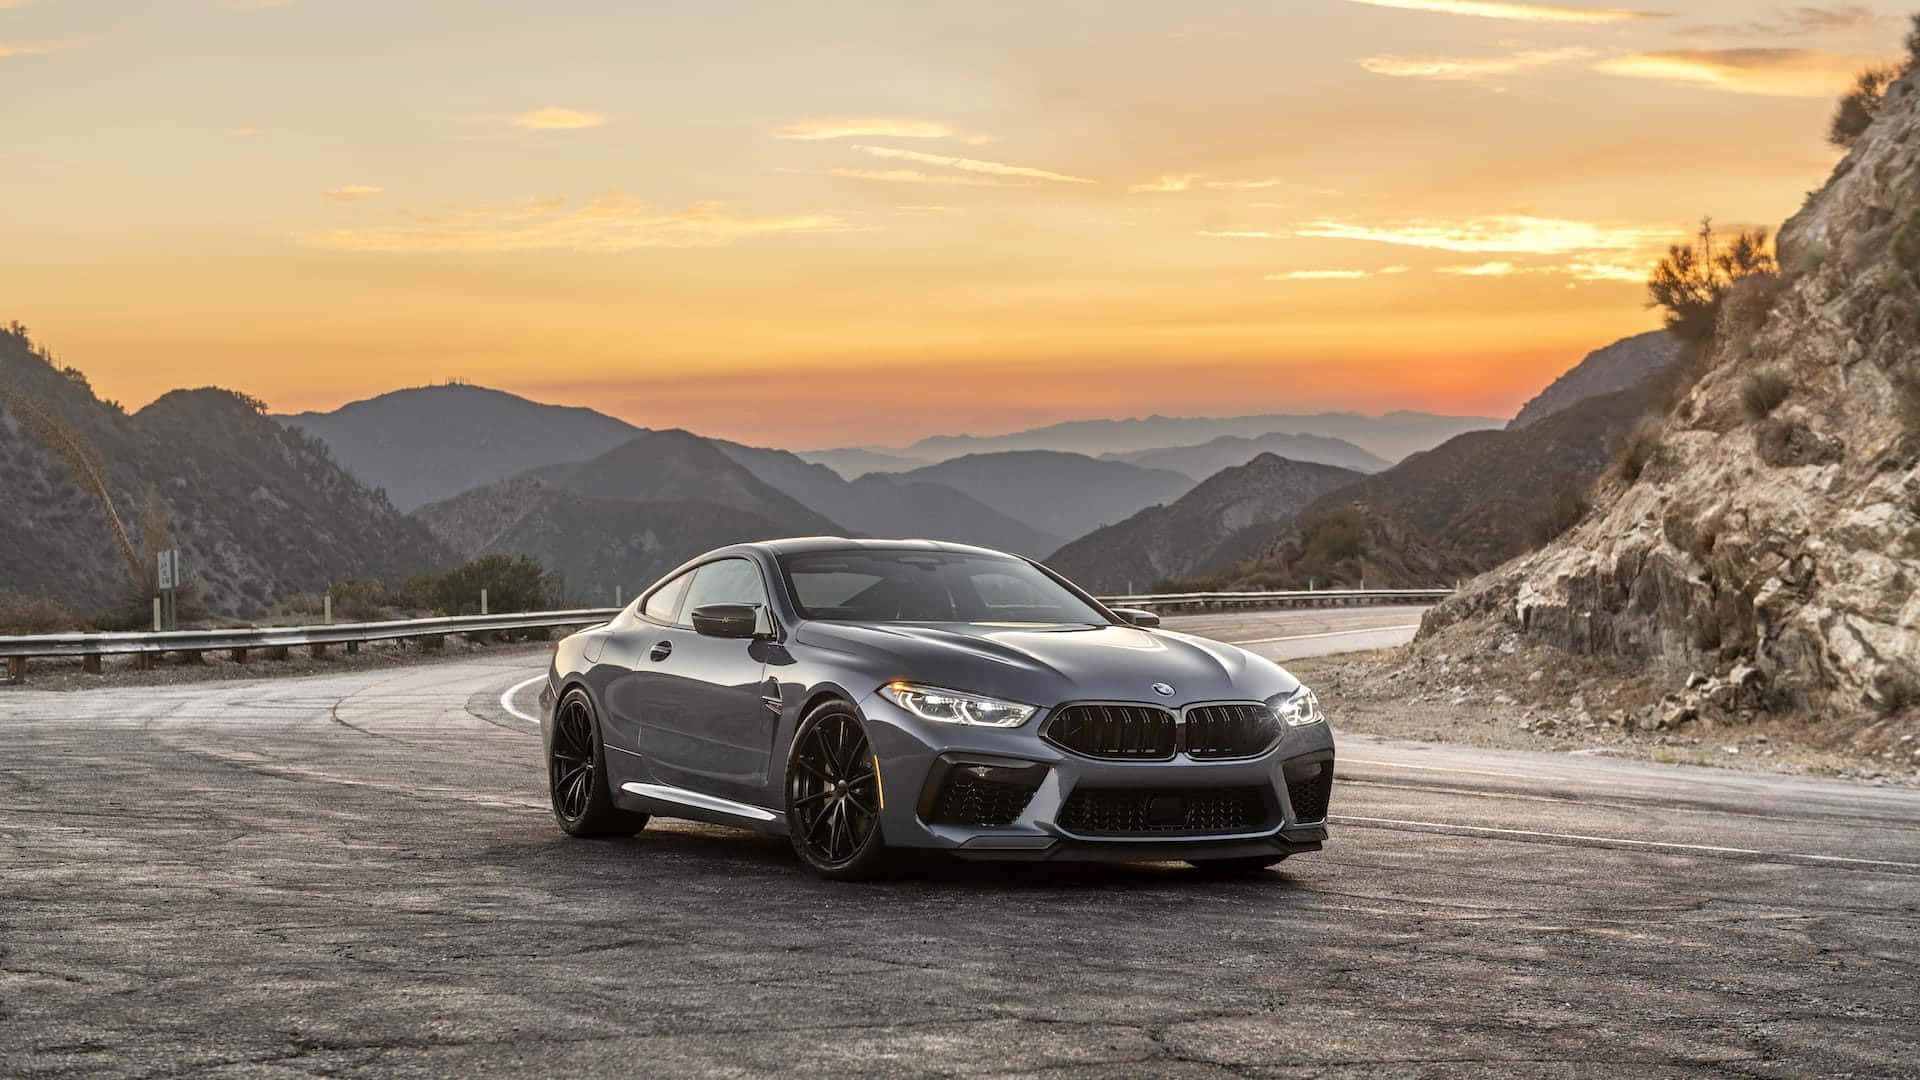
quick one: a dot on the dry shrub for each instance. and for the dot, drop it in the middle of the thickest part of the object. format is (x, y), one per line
(36, 615)
(1763, 391)
(1637, 452)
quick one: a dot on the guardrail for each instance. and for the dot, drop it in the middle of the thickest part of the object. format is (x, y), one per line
(277, 640)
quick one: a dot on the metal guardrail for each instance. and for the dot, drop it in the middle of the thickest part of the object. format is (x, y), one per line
(243, 640)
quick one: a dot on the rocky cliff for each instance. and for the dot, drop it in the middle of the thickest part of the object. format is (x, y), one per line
(1775, 543)
(1624, 363)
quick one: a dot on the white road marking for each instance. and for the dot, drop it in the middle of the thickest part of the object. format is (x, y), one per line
(1542, 777)
(1657, 845)
(1329, 633)
(506, 699)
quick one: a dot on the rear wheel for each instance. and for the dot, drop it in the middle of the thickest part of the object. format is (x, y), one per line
(577, 774)
(1251, 864)
(833, 796)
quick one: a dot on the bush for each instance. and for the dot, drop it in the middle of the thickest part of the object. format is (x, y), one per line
(1637, 452)
(1856, 111)
(512, 584)
(39, 615)
(1693, 280)
(1562, 512)
(1763, 391)
(1913, 50)
(1334, 537)
(363, 601)
(1745, 309)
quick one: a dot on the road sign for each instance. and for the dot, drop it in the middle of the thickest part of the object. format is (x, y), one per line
(168, 568)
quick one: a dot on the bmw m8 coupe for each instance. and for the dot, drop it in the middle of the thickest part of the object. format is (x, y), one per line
(866, 698)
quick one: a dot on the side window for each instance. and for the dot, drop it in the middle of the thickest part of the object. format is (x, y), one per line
(729, 581)
(664, 604)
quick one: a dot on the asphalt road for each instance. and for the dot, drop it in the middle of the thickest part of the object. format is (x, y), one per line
(356, 873)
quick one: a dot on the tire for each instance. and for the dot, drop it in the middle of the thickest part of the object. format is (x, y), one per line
(577, 774)
(833, 796)
(1242, 867)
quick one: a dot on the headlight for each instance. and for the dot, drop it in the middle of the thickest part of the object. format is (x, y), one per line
(954, 707)
(1299, 709)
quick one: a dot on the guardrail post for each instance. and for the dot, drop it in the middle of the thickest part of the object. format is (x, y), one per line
(434, 642)
(276, 652)
(317, 650)
(90, 663)
(156, 614)
(483, 601)
(143, 661)
(17, 668)
(353, 648)
(192, 656)
(326, 609)
(238, 656)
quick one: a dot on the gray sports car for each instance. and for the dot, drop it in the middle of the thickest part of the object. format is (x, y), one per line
(866, 697)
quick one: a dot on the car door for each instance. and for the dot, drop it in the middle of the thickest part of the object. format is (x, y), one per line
(702, 723)
(627, 674)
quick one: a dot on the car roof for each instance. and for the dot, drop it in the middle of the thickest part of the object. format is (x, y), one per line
(795, 545)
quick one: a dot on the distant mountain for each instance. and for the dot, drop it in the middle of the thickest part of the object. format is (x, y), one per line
(1062, 494)
(1166, 542)
(598, 545)
(1604, 371)
(1227, 451)
(853, 461)
(887, 506)
(1467, 505)
(259, 511)
(430, 442)
(624, 517)
(1392, 436)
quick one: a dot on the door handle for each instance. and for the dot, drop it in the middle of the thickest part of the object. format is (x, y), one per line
(661, 651)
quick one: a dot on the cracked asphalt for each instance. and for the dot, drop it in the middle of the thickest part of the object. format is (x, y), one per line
(355, 874)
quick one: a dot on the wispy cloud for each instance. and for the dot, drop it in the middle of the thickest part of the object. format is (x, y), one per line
(916, 176)
(1520, 12)
(1486, 269)
(1771, 72)
(351, 193)
(970, 165)
(613, 222)
(1165, 184)
(1805, 19)
(245, 132)
(1191, 181)
(871, 127)
(555, 118)
(1320, 275)
(36, 48)
(1497, 234)
(1241, 234)
(1469, 68)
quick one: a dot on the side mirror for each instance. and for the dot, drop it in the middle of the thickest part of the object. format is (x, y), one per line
(727, 620)
(1146, 620)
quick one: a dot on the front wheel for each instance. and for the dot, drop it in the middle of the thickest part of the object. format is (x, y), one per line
(577, 774)
(833, 796)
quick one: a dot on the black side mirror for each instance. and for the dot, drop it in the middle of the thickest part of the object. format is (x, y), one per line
(727, 620)
(1146, 620)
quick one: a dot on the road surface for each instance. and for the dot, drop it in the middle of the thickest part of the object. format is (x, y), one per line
(356, 873)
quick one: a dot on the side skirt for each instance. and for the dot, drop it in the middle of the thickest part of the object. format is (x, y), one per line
(665, 801)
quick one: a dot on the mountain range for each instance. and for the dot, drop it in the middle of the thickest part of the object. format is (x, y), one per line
(1227, 451)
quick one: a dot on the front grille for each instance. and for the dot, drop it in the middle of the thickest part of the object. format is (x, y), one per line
(1310, 790)
(1137, 811)
(1117, 732)
(964, 799)
(1230, 731)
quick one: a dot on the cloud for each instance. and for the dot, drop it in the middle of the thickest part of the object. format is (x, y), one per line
(1241, 234)
(1190, 181)
(1498, 234)
(1320, 275)
(872, 127)
(37, 48)
(1242, 185)
(351, 193)
(971, 165)
(1805, 19)
(1520, 12)
(915, 176)
(1165, 184)
(1485, 269)
(246, 132)
(613, 222)
(1771, 72)
(555, 118)
(1469, 68)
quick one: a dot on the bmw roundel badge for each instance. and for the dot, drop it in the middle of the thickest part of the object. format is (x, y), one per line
(1163, 689)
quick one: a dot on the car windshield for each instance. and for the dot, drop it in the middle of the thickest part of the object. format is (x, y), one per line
(928, 586)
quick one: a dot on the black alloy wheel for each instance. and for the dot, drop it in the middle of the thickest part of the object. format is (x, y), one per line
(577, 774)
(833, 796)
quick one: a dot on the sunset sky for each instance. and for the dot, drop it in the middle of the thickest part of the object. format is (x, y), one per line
(811, 225)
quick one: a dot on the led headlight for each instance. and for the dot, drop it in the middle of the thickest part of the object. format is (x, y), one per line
(954, 707)
(1298, 709)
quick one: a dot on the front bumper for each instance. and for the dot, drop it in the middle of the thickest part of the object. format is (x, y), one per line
(989, 793)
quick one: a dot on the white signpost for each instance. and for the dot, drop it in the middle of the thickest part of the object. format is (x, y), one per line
(167, 577)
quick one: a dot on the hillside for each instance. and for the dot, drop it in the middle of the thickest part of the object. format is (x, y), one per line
(1392, 436)
(1469, 504)
(882, 505)
(1604, 371)
(854, 461)
(1166, 542)
(677, 466)
(1062, 494)
(259, 511)
(430, 442)
(1779, 548)
(1227, 451)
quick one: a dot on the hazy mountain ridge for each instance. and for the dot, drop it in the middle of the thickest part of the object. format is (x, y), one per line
(1619, 366)
(427, 443)
(1060, 493)
(259, 511)
(1777, 544)
(1168, 542)
(1391, 436)
(1228, 451)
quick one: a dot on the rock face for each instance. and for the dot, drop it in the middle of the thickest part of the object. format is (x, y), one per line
(1604, 371)
(1789, 544)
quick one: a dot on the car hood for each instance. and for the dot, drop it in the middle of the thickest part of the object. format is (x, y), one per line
(1048, 665)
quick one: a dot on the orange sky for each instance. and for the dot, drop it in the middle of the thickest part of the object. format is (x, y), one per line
(871, 223)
